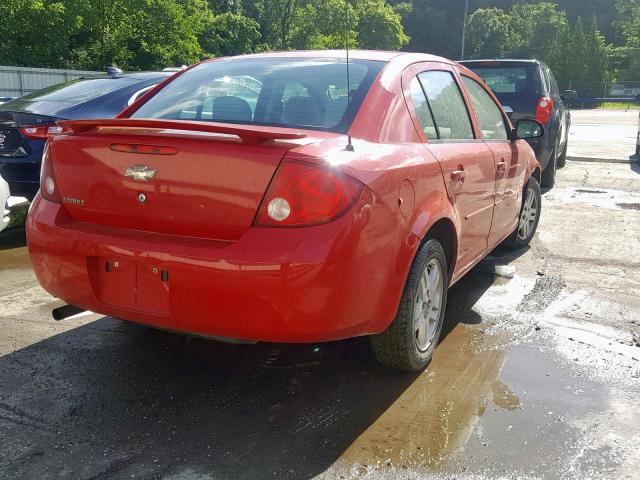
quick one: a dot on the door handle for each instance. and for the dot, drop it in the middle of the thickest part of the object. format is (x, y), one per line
(501, 167)
(459, 176)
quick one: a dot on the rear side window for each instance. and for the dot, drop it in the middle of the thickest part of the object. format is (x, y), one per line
(278, 91)
(554, 85)
(447, 104)
(510, 80)
(489, 115)
(423, 111)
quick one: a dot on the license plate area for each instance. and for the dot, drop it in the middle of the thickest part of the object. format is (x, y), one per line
(134, 285)
(8, 139)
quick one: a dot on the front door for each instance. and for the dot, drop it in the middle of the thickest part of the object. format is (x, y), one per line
(510, 168)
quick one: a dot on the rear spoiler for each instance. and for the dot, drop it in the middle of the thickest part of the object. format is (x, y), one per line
(248, 133)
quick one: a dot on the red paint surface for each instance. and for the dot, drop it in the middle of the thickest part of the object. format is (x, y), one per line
(224, 276)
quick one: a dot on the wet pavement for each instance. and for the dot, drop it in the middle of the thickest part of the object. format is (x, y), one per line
(536, 377)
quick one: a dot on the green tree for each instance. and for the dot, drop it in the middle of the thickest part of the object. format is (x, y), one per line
(489, 33)
(231, 34)
(33, 32)
(535, 28)
(379, 26)
(325, 24)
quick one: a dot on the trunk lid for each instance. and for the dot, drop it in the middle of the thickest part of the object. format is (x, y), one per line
(12, 143)
(206, 181)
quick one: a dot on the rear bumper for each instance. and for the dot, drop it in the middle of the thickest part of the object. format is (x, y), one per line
(22, 172)
(313, 284)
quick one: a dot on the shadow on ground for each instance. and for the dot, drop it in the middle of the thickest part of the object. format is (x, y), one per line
(13, 238)
(112, 400)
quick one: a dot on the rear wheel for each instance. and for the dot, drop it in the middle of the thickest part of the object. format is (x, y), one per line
(529, 217)
(409, 342)
(549, 173)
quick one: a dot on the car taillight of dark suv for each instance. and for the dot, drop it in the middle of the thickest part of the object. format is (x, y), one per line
(529, 89)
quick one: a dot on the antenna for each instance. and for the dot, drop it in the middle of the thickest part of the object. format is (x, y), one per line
(349, 147)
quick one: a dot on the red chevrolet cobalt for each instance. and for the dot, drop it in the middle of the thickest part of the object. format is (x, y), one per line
(288, 197)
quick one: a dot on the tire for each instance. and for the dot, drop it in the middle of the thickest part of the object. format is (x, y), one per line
(522, 236)
(549, 174)
(405, 346)
(562, 159)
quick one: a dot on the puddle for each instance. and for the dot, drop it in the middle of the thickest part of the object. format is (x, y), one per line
(436, 415)
(479, 412)
(584, 190)
(629, 206)
(602, 198)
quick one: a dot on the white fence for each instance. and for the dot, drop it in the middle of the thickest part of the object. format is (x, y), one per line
(18, 81)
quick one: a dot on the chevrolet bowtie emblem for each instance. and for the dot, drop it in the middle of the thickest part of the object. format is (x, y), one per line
(140, 173)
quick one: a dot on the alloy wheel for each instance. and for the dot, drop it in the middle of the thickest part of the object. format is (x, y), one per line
(529, 215)
(426, 313)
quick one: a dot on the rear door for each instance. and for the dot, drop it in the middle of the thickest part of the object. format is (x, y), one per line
(510, 167)
(467, 162)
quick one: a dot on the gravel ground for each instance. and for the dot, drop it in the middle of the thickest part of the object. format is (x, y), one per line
(537, 376)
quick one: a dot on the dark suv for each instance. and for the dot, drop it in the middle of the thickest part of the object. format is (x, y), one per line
(529, 89)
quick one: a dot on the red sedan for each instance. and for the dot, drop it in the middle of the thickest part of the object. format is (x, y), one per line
(288, 197)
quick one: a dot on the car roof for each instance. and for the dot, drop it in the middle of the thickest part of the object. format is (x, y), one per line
(514, 61)
(377, 55)
(141, 76)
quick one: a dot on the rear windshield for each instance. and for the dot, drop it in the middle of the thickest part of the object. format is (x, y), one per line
(509, 80)
(79, 91)
(285, 92)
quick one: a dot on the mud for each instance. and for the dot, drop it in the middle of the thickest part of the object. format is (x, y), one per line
(537, 376)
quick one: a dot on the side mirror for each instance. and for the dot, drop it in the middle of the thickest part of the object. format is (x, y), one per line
(528, 129)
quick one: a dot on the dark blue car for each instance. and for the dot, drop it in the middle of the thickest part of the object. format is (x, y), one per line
(530, 90)
(27, 122)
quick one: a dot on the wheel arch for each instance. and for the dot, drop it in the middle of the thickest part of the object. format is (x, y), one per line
(444, 231)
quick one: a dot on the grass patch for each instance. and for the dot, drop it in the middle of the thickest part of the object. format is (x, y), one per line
(619, 106)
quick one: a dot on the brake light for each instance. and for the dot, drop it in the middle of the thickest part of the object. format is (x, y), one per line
(544, 110)
(304, 195)
(42, 132)
(147, 149)
(48, 186)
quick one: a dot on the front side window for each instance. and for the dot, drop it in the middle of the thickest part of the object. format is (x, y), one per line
(277, 91)
(449, 110)
(489, 114)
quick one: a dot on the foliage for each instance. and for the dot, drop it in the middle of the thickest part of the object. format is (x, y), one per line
(231, 34)
(578, 55)
(490, 33)
(379, 26)
(148, 34)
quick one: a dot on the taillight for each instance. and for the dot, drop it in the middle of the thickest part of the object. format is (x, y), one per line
(544, 110)
(48, 186)
(42, 132)
(303, 195)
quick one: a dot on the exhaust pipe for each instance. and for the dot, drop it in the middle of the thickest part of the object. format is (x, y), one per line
(65, 311)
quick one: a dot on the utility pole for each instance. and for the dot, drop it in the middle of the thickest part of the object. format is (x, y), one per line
(464, 27)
